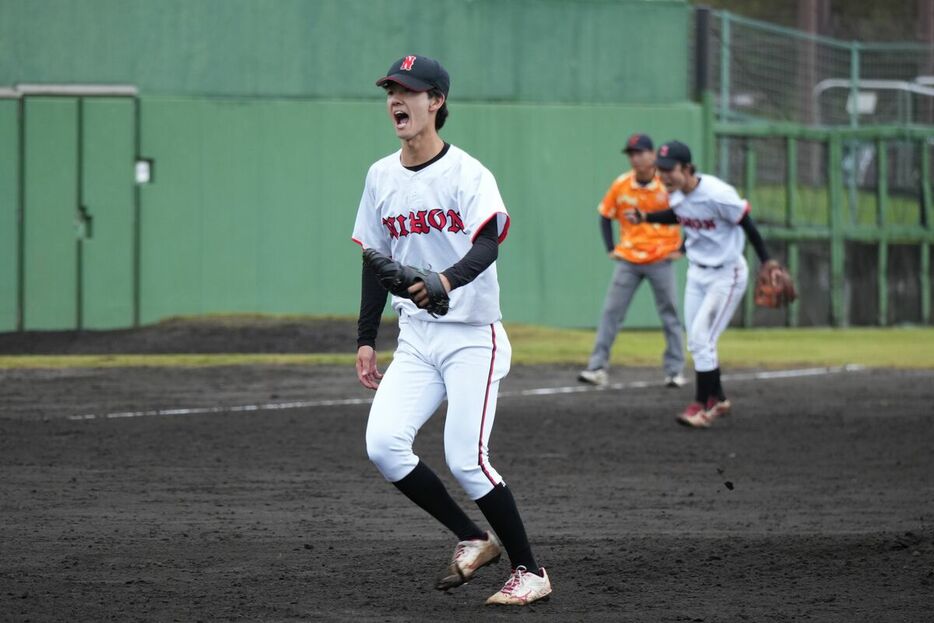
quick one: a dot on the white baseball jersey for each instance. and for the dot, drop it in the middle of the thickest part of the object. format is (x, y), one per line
(429, 219)
(713, 241)
(709, 216)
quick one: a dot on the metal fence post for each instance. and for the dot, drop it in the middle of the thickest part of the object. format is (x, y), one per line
(791, 217)
(854, 84)
(701, 51)
(750, 183)
(882, 208)
(710, 140)
(854, 123)
(837, 246)
(723, 169)
(926, 210)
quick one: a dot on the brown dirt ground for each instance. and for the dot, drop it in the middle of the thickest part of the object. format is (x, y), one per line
(815, 501)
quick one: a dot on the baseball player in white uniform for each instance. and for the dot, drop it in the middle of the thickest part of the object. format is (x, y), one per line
(713, 218)
(432, 206)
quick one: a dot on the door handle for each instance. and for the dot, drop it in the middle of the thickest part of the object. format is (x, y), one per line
(85, 223)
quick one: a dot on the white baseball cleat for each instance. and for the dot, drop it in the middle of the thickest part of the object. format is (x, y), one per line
(522, 588)
(694, 415)
(718, 408)
(469, 556)
(676, 380)
(596, 377)
(699, 417)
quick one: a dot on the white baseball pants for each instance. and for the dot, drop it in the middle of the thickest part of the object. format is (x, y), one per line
(711, 297)
(434, 360)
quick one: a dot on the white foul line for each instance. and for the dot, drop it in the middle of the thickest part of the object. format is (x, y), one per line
(269, 406)
(541, 391)
(739, 376)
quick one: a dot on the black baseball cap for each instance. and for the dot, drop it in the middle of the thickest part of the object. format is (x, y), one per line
(417, 73)
(672, 153)
(638, 142)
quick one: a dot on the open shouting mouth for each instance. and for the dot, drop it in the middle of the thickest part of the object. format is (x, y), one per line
(401, 119)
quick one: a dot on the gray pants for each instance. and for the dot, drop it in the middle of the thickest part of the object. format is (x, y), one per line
(626, 279)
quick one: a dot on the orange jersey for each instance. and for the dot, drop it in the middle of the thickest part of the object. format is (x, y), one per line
(647, 242)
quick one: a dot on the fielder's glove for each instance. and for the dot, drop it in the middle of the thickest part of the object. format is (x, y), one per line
(774, 286)
(397, 278)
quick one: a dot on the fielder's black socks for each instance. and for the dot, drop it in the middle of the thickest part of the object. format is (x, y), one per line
(423, 487)
(702, 387)
(708, 385)
(716, 389)
(499, 508)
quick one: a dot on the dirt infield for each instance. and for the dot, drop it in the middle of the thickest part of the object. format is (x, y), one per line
(814, 502)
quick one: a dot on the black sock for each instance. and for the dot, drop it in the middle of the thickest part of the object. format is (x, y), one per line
(707, 383)
(423, 487)
(499, 508)
(700, 387)
(716, 389)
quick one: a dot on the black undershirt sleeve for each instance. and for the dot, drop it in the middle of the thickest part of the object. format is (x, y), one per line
(484, 252)
(372, 301)
(754, 237)
(606, 230)
(664, 217)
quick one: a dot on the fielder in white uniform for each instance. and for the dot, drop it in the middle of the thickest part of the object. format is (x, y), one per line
(716, 223)
(432, 206)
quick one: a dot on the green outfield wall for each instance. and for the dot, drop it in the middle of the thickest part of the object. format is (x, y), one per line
(252, 203)
(518, 50)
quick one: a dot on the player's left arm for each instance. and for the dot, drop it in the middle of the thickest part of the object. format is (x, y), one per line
(481, 255)
(731, 207)
(754, 237)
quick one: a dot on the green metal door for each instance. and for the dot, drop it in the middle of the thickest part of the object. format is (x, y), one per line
(78, 212)
(50, 199)
(106, 261)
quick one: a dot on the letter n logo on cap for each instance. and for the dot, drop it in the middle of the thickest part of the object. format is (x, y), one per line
(663, 151)
(407, 63)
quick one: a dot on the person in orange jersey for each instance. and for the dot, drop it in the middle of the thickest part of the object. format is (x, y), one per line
(644, 251)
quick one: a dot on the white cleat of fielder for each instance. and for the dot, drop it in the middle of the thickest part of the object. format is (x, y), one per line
(675, 380)
(522, 588)
(594, 377)
(696, 416)
(469, 557)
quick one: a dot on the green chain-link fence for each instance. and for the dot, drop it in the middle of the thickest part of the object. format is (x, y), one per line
(766, 84)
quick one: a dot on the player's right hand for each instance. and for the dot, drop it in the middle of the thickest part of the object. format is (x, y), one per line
(367, 372)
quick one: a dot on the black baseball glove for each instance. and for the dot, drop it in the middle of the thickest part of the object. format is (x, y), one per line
(397, 278)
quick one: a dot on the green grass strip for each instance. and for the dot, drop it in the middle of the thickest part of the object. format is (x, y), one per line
(768, 348)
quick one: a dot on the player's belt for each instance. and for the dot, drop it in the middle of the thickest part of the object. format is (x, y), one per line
(706, 267)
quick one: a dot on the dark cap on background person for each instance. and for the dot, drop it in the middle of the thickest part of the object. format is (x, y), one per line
(638, 142)
(417, 73)
(672, 153)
